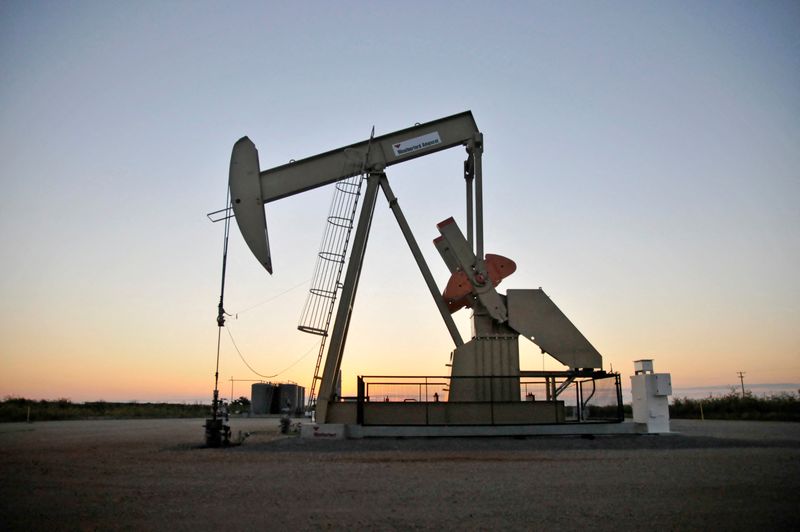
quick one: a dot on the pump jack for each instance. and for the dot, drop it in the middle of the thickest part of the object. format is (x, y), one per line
(497, 319)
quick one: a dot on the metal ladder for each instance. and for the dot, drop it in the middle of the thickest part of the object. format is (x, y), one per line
(325, 284)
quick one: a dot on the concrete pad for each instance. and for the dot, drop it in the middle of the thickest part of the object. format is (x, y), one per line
(562, 429)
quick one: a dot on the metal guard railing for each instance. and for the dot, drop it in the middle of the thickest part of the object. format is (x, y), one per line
(595, 397)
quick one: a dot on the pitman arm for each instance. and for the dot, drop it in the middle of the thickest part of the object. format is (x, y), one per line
(529, 312)
(467, 269)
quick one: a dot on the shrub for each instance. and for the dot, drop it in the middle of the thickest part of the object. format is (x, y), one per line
(776, 407)
(16, 409)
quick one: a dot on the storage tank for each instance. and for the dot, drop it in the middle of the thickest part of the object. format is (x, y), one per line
(261, 398)
(293, 397)
(301, 410)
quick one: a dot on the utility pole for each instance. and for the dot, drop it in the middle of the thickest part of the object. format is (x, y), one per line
(741, 379)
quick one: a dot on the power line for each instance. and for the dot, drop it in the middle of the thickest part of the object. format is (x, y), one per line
(290, 366)
(276, 296)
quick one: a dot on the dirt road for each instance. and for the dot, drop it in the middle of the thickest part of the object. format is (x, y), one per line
(152, 475)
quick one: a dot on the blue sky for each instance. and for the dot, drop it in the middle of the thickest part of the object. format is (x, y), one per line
(641, 165)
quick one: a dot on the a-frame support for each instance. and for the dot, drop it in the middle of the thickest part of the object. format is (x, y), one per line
(333, 360)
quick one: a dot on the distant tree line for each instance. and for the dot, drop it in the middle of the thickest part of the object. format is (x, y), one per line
(20, 409)
(776, 407)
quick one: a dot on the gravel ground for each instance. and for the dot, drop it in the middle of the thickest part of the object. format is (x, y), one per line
(152, 474)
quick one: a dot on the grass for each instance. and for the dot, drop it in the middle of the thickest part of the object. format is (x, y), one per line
(15, 409)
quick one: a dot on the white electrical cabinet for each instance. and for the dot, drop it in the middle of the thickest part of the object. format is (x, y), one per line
(651, 393)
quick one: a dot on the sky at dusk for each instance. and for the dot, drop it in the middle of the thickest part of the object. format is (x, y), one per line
(641, 165)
